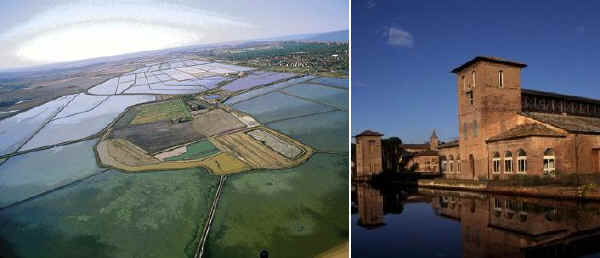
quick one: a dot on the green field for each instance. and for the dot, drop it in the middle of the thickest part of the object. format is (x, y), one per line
(166, 110)
(196, 150)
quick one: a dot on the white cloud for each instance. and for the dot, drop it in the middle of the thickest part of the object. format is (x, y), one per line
(399, 37)
(371, 4)
(81, 30)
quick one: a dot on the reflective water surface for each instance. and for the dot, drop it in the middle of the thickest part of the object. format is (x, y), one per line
(402, 222)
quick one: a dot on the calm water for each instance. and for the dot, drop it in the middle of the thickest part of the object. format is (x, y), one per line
(402, 222)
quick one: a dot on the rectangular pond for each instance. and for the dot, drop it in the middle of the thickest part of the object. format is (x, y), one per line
(276, 106)
(297, 212)
(159, 214)
(17, 129)
(70, 128)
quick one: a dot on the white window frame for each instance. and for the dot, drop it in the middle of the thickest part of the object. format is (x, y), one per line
(498, 205)
(444, 169)
(496, 165)
(524, 160)
(508, 160)
(547, 169)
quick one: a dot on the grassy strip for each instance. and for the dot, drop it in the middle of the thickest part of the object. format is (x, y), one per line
(195, 151)
(172, 109)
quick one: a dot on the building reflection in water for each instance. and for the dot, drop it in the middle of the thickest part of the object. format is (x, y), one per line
(496, 225)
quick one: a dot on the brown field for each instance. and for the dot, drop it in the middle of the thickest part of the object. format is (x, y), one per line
(256, 153)
(215, 122)
(154, 137)
(225, 163)
(124, 155)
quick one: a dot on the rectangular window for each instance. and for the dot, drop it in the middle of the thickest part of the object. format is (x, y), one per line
(470, 97)
(444, 166)
(458, 166)
(496, 165)
(549, 167)
(497, 204)
(508, 165)
(500, 79)
(473, 73)
(522, 162)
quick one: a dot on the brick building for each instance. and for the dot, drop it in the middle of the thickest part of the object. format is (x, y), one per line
(423, 157)
(506, 130)
(368, 154)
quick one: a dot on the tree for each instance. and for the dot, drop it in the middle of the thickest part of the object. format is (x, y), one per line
(391, 149)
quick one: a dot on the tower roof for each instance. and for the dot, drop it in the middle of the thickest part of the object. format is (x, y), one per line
(368, 133)
(489, 59)
(434, 135)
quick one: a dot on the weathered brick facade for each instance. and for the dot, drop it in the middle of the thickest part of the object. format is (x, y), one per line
(505, 130)
(368, 154)
(494, 129)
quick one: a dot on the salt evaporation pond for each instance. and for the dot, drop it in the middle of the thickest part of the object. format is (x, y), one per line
(113, 214)
(277, 106)
(15, 130)
(333, 96)
(297, 212)
(255, 92)
(33, 173)
(81, 103)
(223, 68)
(255, 79)
(164, 90)
(84, 124)
(178, 75)
(331, 136)
(106, 88)
(333, 81)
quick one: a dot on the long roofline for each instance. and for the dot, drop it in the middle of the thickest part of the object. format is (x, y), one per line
(559, 95)
(489, 59)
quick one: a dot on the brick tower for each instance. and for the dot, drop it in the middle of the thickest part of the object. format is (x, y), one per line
(489, 95)
(368, 154)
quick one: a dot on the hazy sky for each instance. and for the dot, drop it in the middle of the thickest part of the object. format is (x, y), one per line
(41, 32)
(403, 52)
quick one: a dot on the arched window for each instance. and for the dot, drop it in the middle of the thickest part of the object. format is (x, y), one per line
(549, 163)
(451, 163)
(508, 162)
(496, 163)
(500, 79)
(522, 161)
(473, 74)
(458, 164)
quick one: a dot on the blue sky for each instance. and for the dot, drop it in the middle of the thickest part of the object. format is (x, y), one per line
(403, 51)
(49, 31)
